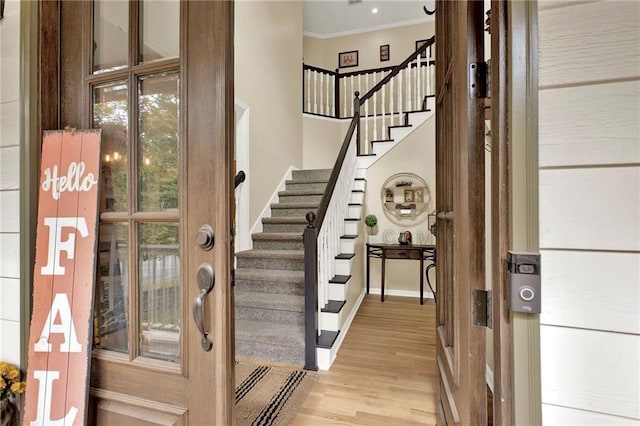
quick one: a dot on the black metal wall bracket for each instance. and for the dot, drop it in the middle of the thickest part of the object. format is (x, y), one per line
(1, 10)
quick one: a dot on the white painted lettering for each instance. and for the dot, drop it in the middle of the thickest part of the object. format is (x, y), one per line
(74, 181)
(60, 306)
(56, 245)
(46, 379)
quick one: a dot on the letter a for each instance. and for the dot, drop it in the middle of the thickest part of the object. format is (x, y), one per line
(60, 306)
(46, 379)
(56, 245)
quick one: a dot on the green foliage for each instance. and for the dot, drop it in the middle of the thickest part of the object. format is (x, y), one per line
(371, 220)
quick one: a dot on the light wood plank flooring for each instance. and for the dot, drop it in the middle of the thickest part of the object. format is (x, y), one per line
(384, 373)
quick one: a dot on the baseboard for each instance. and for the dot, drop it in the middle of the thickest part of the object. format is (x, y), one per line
(266, 212)
(403, 293)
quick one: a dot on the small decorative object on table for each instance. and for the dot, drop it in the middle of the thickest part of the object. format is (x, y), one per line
(371, 221)
(404, 238)
(10, 386)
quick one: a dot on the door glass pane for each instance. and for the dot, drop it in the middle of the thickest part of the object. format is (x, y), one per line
(158, 142)
(159, 291)
(110, 113)
(112, 298)
(159, 29)
(110, 35)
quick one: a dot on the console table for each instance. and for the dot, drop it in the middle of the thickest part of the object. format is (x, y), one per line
(399, 251)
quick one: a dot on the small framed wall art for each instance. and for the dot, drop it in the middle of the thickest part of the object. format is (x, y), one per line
(348, 59)
(420, 43)
(384, 53)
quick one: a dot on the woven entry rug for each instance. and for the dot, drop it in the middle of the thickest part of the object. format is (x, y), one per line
(267, 395)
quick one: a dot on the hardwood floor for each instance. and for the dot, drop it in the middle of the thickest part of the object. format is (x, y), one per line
(384, 373)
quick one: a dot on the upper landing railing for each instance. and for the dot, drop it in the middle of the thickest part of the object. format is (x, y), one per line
(399, 89)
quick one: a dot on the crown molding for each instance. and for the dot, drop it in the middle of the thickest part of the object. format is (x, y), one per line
(368, 29)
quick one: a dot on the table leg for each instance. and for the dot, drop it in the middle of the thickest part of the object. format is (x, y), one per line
(368, 260)
(382, 281)
(421, 280)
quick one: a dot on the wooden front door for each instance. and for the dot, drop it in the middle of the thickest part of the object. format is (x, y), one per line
(461, 383)
(157, 78)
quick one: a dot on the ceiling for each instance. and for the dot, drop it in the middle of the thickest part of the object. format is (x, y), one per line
(332, 18)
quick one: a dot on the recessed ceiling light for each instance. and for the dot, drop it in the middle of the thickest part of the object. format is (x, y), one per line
(374, 10)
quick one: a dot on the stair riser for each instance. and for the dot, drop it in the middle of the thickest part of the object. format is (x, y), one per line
(305, 186)
(278, 244)
(270, 315)
(317, 175)
(351, 227)
(292, 212)
(300, 199)
(347, 245)
(354, 211)
(342, 267)
(360, 184)
(268, 352)
(272, 287)
(271, 263)
(331, 321)
(338, 291)
(357, 197)
(283, 227)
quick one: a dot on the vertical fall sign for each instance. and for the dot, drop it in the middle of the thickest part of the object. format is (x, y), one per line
(58, 366)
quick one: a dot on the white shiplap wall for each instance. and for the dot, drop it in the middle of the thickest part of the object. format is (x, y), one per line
(10, 184)
(589, 188)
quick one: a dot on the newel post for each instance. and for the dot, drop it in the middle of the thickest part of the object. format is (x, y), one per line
(309, 238)
(356, 112)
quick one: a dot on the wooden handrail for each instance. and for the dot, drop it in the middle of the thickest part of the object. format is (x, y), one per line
(397, 69)
(333, 179)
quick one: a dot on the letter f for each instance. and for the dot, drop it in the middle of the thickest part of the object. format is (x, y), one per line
(56, 246)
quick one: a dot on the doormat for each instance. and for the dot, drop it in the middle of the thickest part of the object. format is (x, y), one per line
(267, 395)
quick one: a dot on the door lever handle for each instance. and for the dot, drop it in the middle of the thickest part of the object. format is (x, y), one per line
(206, 281)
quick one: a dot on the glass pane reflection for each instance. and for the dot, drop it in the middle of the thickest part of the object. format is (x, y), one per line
(159, 291)
(110, 113)
(112, 297)
(110, 35)
(159, 29)
(158, 142)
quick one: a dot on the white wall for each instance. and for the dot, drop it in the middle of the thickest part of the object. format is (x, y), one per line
(589, 144)
(10, 184)
(268, 79)
(401, 40)
(414, 154)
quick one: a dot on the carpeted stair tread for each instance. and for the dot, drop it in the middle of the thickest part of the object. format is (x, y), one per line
(312, 206)
(272, 254)
(293, 236)
(284, 219)
(299, 192)
(282, 302)
(271, 333)
(276, 275)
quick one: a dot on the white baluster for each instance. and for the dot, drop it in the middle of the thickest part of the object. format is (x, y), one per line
(346, 98)
(375, 110)
(384, 89)
(321, 90)
(315, 91)
(400, 99)
(328, 103)
(391, 111)
(407, 78)
(418, 83)
(308, 72)
(333, 95)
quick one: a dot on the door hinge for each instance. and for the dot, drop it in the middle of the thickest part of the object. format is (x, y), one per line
(481, 308)
(480, 80)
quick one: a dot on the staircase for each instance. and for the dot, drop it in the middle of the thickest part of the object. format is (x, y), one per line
(269, 278)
